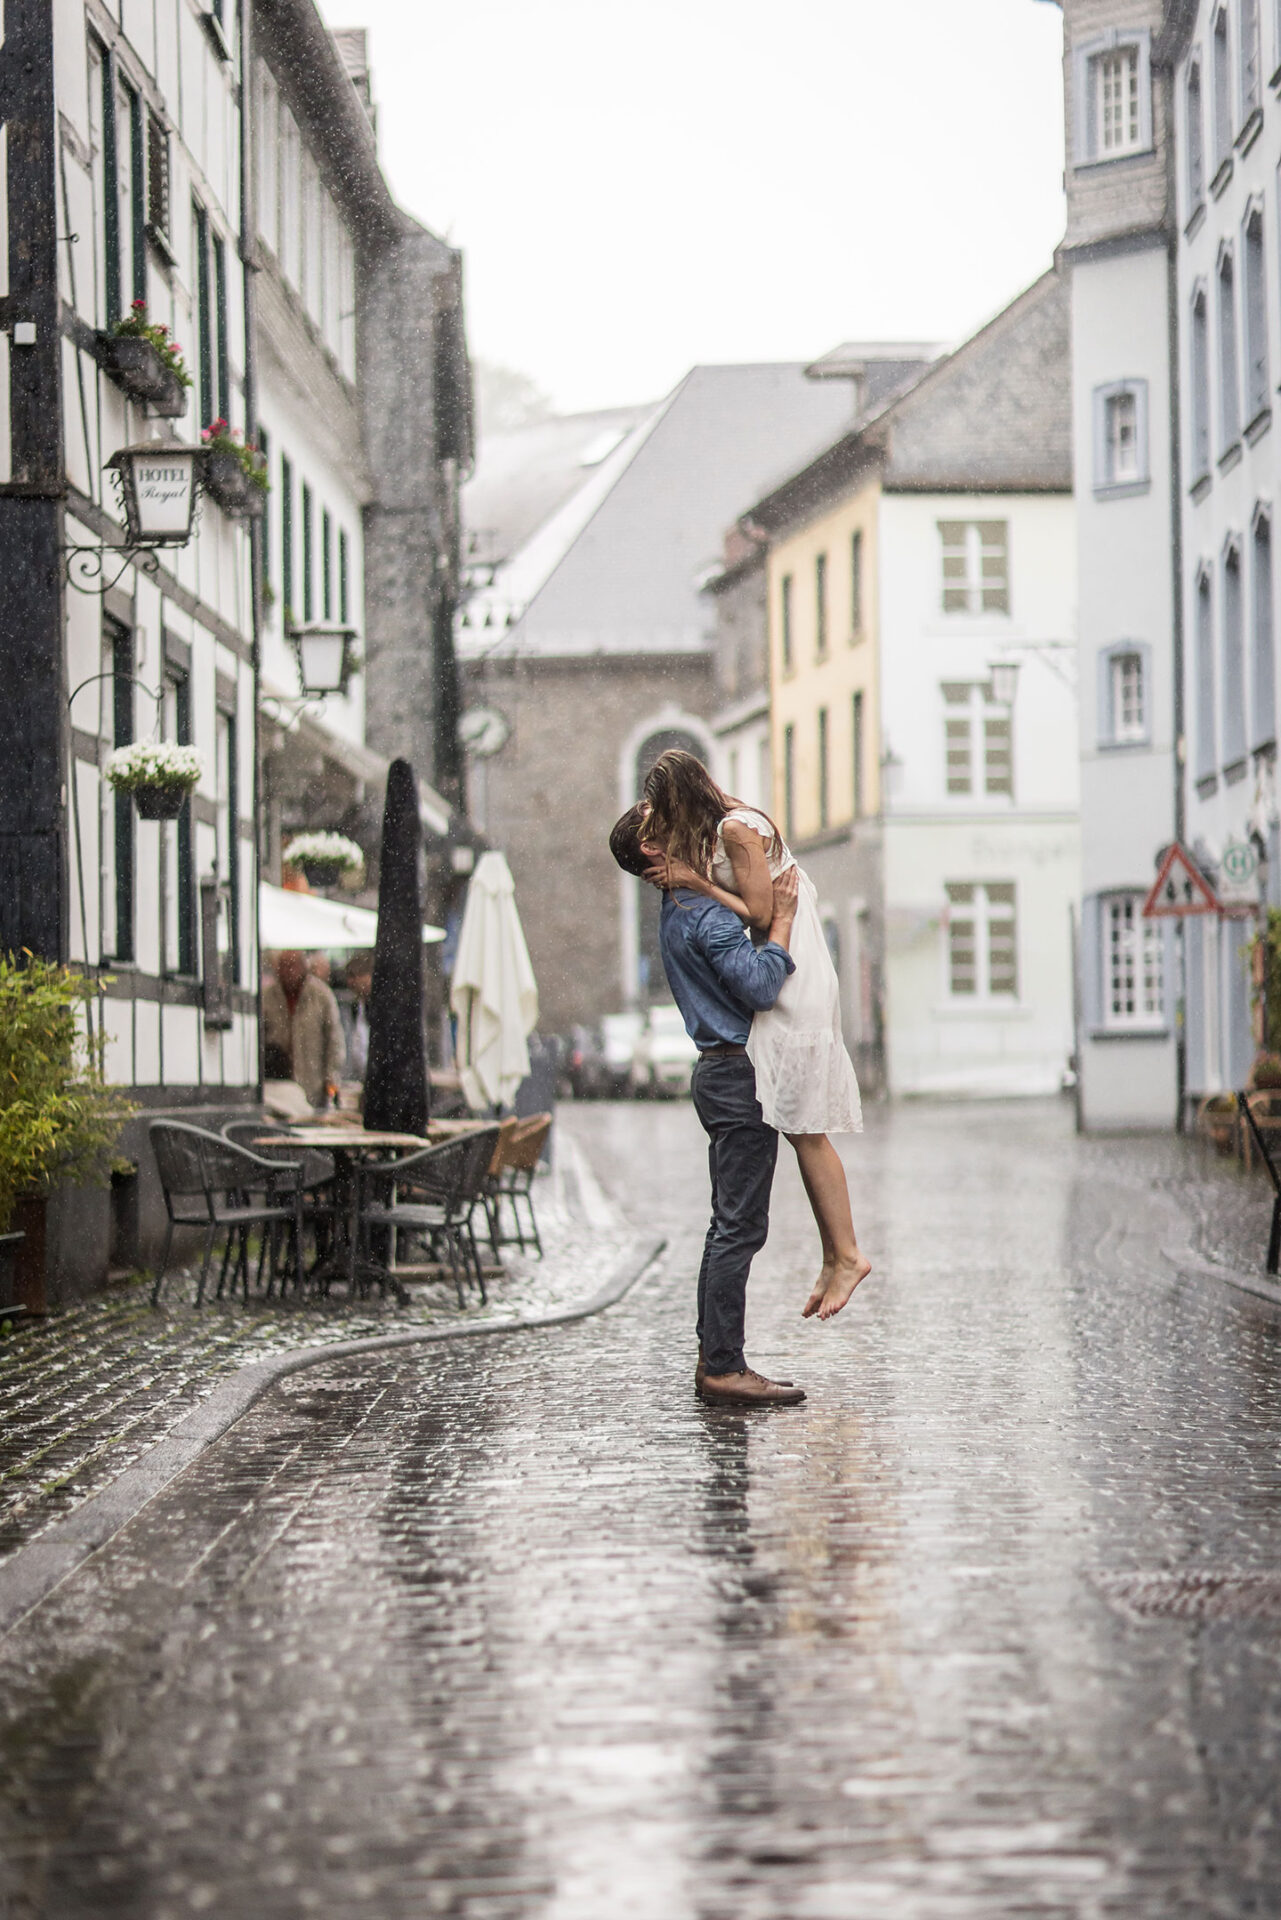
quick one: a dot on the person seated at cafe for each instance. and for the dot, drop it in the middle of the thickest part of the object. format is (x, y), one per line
(360, 978)
(301, 1023)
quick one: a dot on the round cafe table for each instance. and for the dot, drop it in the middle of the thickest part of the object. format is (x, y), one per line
(350, 1143)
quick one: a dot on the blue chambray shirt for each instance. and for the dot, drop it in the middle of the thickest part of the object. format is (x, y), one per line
(717, 977)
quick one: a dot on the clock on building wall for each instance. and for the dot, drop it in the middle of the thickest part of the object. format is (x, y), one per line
(483, 731)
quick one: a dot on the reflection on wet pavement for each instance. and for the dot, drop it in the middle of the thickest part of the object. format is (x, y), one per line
(516, 1629)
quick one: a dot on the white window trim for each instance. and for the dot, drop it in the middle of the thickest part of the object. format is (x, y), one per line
(1105, 487)
(1194, 190)
(976, 712)
(1255, 406)
(974, 580)
(1086, 151)
(1145, 933)
(983, 913)
(1108, 739)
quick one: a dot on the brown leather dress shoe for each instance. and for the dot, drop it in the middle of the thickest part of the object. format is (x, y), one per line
(747, 1389)
(700, 1373)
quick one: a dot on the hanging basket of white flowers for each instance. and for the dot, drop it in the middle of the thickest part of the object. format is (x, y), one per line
(158, 773)
(324, 857)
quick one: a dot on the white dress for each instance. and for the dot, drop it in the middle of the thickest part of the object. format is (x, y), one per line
(805, 1079)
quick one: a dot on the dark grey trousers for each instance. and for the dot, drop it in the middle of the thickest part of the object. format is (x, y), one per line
(741, 1155)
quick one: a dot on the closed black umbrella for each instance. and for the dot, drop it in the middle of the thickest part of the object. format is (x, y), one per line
(396, 1077)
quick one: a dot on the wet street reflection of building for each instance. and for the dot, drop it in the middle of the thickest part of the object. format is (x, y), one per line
(514, 1628)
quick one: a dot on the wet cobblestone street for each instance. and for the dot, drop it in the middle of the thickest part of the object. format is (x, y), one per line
(512, 1629)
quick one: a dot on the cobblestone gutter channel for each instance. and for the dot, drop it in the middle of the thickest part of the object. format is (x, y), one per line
(102, 1406)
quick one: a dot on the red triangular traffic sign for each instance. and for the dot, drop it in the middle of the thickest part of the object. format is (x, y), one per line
(1180, 888)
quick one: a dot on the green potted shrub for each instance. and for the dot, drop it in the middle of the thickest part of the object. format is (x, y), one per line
(158, 773)
(59, 1120)
(1265, 1073)
(324, 857)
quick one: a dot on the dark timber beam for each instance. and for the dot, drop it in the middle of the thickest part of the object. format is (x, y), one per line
(33, 907)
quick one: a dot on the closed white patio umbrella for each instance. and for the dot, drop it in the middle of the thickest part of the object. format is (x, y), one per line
(494, 995)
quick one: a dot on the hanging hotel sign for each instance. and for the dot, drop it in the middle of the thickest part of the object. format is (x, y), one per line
(1180, 889)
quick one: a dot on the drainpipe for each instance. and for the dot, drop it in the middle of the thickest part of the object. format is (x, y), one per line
(248, 275)
(1176, 573)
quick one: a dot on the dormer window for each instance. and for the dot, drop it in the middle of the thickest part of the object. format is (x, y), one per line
(1113, 97)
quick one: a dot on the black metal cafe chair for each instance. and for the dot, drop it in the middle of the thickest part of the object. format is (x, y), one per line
(319, 1173)
(431, 1196)
(210, 1183)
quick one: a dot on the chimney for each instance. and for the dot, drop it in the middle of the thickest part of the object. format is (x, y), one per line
(353, 45)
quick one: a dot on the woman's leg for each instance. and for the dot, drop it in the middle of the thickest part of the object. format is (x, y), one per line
(829, 1195)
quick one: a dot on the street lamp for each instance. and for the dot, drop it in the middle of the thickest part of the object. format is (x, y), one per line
(324, 658)
(158, 491)
(1005, 681)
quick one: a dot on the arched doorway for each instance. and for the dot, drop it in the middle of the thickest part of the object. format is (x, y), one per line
(651, 986)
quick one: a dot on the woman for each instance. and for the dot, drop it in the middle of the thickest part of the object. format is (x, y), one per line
(805, 1081)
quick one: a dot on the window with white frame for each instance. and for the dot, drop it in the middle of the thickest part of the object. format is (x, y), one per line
(1233, 655)
(1222, 77)
(1129, 706)
(1200, 369)
(1263, 663)
(1194, 141)
(1121, 435)
(1206, 754)
(1251, 60)
(1133, 964)
(982, 940)
(976, 566)
(1229, 380)
(978, 741)
(1255, 295)
(1113, 89)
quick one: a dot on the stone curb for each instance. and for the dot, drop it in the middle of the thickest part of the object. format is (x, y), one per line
(35, 1570)
(1201, 1269)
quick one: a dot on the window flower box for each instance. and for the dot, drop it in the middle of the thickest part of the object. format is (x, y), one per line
(147, 366)
(234, 472)
(159, 775)
(324, 857)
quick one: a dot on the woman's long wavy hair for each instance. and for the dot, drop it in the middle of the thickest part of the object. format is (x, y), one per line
(685, 807)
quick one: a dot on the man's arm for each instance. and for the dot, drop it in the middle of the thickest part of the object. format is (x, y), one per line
(754, 975)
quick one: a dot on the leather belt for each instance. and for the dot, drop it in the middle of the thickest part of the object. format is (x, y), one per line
(721, 1053)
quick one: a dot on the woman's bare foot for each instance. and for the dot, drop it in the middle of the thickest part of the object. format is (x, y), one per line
(827, 1275)
(841, 1282)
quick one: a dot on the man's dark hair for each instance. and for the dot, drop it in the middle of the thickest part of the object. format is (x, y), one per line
(625, 843)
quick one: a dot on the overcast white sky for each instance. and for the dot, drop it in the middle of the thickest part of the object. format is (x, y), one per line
(640, 189)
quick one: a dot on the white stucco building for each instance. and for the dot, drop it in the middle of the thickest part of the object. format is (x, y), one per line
(1117, 254)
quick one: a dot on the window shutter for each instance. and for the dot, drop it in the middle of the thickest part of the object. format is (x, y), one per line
(1090, 961)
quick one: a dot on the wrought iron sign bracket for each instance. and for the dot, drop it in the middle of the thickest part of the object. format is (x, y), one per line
(89, 569)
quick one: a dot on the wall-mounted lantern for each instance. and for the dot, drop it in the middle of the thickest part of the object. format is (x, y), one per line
(1005, 681)
(325, 660)
(157, 487)
(158, 492)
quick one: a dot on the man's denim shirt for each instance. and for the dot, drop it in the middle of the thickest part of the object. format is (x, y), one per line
(717, 977)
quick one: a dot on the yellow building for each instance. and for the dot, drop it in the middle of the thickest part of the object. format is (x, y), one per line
(823, 669)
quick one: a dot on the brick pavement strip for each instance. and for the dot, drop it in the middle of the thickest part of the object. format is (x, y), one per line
(85, 1394)
(511, 1629)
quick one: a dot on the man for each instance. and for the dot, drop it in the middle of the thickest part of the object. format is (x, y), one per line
(360, 978)
(300, 1022)
(718, 979)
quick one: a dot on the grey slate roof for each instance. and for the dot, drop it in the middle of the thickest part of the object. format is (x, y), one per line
(998, 412)
(523, 475)
(626, 580)
(995, 415)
